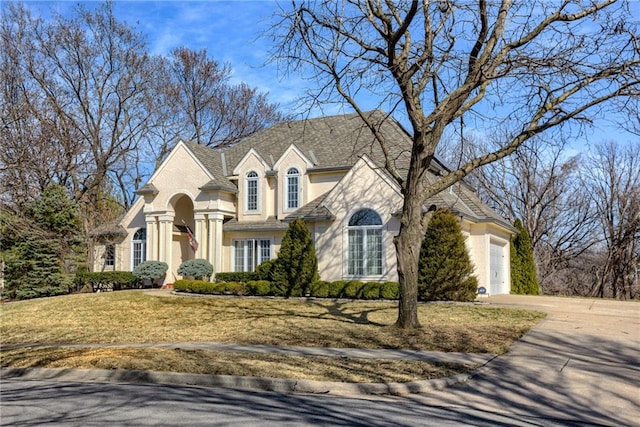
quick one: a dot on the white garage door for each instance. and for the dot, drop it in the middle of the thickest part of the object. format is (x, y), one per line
(497, 282)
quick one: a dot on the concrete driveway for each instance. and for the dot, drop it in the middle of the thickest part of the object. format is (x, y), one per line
(580, 365)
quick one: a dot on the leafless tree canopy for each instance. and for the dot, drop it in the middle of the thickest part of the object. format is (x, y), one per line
(85, 105)
(526, 67)
(613, 176)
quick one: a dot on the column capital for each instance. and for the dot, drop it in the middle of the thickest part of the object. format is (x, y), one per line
(216, 216)
(166, 217)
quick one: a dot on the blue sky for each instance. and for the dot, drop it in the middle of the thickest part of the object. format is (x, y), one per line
(231, 31)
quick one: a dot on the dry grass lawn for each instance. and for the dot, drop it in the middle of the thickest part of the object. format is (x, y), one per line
(129, 317)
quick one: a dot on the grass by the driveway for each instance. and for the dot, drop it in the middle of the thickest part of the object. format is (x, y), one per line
(136, 317)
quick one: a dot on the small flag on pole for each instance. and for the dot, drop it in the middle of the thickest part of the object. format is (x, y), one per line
(192, 239)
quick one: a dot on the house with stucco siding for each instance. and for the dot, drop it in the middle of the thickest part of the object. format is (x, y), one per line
(328, 171)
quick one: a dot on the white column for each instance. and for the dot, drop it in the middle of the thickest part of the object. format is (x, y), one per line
(165, 252)
(215, 241)
(152, 237)
(201, 234)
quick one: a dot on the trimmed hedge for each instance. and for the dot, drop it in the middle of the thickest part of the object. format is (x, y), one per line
(352, 289)
(210, 288)
(237, 276)
(106, 280)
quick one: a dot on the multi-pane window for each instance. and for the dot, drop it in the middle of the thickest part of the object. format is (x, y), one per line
(110, 256)
(364, 252)
(249, 253)
(252, 191)
(139, 247)
(293, 188)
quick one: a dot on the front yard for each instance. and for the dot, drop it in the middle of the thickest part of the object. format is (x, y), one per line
(130, 317)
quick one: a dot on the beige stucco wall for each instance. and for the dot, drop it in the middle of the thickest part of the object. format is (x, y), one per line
(252, 162)
(291, 158)
(361, 188)
(480, 236)
(179, 174)
(321, 183)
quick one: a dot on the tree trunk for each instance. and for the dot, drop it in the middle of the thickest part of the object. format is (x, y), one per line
(407, 245)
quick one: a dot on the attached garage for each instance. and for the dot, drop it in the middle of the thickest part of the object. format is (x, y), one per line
(498, 268)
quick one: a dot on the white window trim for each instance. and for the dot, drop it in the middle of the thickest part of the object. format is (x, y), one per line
(383, 265)
(143, 254)
(110, 261)
(285, 207)
(248, 211)
(257, 256)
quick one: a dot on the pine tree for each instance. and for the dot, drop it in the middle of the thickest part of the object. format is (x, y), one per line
(43, 246)
(445, 271)
(296, 266)
(523, 268)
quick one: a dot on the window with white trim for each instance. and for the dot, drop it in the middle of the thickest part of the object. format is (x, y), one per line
(251, 198)
(250, 253)
(110, 255)
(139, 247)
(293, 188)
(364, 252)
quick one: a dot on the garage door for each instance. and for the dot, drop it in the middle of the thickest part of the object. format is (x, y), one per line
(497, 283)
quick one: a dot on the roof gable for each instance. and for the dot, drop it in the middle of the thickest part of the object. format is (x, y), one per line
(251, 153)
(180, 146)
(296, 150)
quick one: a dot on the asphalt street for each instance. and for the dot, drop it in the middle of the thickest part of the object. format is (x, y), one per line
(580, 366)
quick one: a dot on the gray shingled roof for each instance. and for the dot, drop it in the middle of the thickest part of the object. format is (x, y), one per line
(312, 211)
(270, 224)
(211, 160)
(331, 142)
(327, 141)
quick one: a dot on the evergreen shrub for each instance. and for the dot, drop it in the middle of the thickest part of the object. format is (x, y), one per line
(258, 288)
(264, 270)
(319, 289)
(41, 246)
(337, 289)
(389, 290)
(198, 268)
(296, 267)
(236, 276)
(445, 271)
(150, 270)
(115, 280)
(523, 269)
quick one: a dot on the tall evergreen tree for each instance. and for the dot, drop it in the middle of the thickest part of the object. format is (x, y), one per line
(523, 268)
(296, 266)
(445, 271)
(42, 247)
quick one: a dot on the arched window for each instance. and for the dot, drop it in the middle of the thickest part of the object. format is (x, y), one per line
(364, 254)
(139, 247)
(252, 191)
(293, 189)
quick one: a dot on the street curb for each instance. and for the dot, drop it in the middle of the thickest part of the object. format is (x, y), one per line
(280, 385)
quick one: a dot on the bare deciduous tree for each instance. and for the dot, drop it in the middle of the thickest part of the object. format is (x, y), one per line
(612, 174)
(539, 185)
(526, 67)
(216, 112)
(82, 81)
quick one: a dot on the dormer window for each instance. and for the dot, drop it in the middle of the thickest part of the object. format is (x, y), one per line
(293, 189)
(252, 192)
